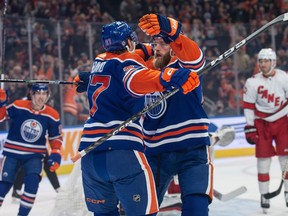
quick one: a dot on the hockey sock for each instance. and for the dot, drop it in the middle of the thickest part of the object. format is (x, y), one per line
(4, 189)
(112, 213)
(31, 182)
(23, 210)
(195, 205)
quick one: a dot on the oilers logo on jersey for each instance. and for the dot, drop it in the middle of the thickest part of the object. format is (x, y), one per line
(160, 109)
(31, 130)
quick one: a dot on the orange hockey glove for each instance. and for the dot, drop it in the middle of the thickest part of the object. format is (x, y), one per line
(158, 25)
(181, 78)
(3, 97)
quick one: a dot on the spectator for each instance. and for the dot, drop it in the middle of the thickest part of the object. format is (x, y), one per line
(70, 105)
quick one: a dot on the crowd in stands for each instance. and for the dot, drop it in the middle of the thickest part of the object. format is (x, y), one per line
(215, 25)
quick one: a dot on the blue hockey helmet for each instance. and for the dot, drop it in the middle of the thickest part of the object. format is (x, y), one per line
(39, 87)
(115, 35)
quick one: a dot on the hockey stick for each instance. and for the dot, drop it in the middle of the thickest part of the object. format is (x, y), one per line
(220, 196)
(3, 41)
(230, 195)
(274, 193)
(212, 64)
(57, 82)
(278, 191)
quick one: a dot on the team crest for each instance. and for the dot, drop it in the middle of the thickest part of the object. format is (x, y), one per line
(160, 109)
(31, 130)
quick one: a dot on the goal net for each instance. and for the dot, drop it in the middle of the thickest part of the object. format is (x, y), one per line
(70, 199)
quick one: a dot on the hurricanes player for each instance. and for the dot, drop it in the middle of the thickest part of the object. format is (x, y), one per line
(25, 146)
(266, 109)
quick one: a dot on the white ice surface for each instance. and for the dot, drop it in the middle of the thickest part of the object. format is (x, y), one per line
(229, 174)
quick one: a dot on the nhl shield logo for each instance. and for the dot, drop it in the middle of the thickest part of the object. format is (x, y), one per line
(136, 198)
(31, 130)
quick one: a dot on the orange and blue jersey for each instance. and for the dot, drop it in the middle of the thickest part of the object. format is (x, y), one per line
(118, 83)
(29, 128)
(180, 121)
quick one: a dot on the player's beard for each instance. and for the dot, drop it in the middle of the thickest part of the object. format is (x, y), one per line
(161, 62)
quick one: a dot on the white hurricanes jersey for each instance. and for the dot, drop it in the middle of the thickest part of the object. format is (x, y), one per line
(266, 97)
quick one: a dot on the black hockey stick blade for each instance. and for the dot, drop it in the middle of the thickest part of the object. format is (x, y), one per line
(274, 193)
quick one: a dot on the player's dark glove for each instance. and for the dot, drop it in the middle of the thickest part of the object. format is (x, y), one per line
(162, 26)
(146, 49)
(251, 134)
(3, 97)
(181, 78)
(54, 160)
(83, 81)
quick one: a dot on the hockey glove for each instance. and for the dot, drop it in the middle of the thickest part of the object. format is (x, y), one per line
(146, 49)
(54, 160)
(3, 97)
(181, 78)
(251, 134)
(83, 80)
(158, 25)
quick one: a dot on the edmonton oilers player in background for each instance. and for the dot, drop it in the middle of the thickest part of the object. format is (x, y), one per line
(117, 170)
(52, 176)
(25, 146)
(176, 132)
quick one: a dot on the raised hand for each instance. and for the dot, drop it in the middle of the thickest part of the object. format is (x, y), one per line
(158, 25)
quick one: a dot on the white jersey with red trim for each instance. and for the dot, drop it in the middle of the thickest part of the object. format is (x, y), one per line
(266, 97)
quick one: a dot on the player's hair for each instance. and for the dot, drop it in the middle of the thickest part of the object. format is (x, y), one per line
(115, 35)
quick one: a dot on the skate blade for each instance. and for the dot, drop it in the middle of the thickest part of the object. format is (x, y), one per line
(15, 200)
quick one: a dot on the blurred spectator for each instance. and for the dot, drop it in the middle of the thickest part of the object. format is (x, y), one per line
(83, 108)
(210, 41)
(214, 25)
(243, 61)
(16, 90)
(47, 66)
(227, 97)
(81, 99)
(70, 97)
(132, 10)
(282, 60)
